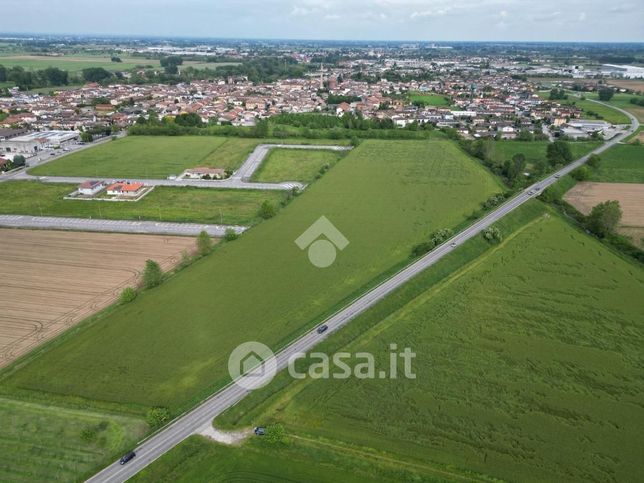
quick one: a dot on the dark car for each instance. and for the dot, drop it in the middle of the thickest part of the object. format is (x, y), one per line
(127, 457)
(322, 329)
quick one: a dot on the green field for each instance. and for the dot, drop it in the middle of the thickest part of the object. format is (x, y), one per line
(528, 365)
(623, 101)
(262, 286)
(294, 165)
(536, 150)
(604, 112)
(164, 203)
(623, 163)
(150, 157)
(74, 63)
(429, 99)
(43, 443)
(156, 156)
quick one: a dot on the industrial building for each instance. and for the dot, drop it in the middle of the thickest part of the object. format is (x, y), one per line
(34, 142)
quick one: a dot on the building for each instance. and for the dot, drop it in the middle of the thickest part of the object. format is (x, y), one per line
(625, 71)
(34, 142)
(90, 188)
(200, 172)
(124, 188)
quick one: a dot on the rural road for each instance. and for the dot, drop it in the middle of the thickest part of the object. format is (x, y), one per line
(239, 180)
(200, 417)
(119, 226)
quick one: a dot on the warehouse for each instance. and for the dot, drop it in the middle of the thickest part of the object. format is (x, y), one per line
(37, 141)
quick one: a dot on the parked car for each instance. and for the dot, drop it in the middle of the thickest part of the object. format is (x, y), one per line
(259, 431)
(322, 329)
(127, 457)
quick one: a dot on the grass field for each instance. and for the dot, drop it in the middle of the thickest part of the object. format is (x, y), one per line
(156, 156)
(429, 99)
(74, 63)
(623, 101)
(294, 165)
(150, 157)
(528, 365)
(536, 150)
(164, 203)
(623, 163)
(262, 285)
(43, 443)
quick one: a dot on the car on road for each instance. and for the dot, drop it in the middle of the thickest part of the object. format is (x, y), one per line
(557, 176)
(322, 329)
(453, 244)
(127, 457)
(530, 192)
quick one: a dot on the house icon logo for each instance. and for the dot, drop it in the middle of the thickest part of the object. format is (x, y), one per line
(322, 251)
(252, 365)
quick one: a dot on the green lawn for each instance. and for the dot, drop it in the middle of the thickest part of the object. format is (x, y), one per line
(528, 365)
(74, 63)
(623, 101)
(623, 163)
(43, 443)
(429, 99)
(178, 204)
(294, 165)
(170, 346)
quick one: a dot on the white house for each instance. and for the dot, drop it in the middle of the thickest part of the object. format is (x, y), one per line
(90, 188)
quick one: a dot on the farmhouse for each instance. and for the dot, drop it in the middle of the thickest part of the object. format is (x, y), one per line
(124, 188)
(90, 188)
(200, 172)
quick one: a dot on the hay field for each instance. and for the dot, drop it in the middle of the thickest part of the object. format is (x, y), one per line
(52, 280)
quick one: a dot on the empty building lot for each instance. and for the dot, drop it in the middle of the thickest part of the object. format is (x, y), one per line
(52, 280)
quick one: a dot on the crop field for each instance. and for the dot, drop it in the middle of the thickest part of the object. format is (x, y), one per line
(623, 163)
(74, 63)
(164, 203)
(429, 99)
(584, 196)
(51, 280)
(263, 284)
(536, 150)
(528, 364)
(42, 443)
(294, 165)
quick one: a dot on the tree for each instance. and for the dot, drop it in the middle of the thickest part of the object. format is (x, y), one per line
(605, 94)
(116, 59)
(204, 243)
(171, 64)
(189, 120)
(604, 218)
(594, 161)
(95, 74)
(581, 173)
(152, 274)
(512, 169)
(267, 210)
(557, 94)
(18, 160)
(86, 137)
(559, 153)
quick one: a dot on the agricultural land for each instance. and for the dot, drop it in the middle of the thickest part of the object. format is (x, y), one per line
(77, 274)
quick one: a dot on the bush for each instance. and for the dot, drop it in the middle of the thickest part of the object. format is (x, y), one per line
(267, 210)
(127, 295)
(204, 243)
(152, 274)
(157, 417)
(230, 235)
(493, 235)
(276, 434)
(594, 161)
(581, 173)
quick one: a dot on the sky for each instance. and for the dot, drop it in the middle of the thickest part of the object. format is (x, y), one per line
(531, 20)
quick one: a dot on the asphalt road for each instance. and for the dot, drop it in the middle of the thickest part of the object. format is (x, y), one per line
(200, 417)
(121, 226)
